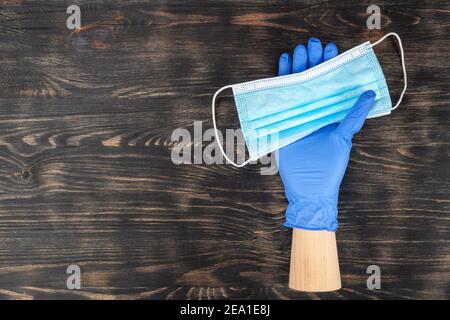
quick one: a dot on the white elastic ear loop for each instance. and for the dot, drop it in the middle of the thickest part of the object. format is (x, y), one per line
(402, 55)
(216, 133)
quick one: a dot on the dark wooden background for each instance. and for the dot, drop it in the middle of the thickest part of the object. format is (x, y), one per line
(85, 170)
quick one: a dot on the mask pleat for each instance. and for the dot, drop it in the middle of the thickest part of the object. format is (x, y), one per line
(307, 110)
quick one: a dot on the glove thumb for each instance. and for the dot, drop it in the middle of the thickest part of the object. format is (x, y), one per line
(355, 118)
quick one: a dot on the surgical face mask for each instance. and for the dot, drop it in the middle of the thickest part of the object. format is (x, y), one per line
(275, 112)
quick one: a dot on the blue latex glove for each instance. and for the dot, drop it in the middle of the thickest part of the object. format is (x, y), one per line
(312, 168)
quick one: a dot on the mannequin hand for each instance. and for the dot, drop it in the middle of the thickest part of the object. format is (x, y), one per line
(312, 168)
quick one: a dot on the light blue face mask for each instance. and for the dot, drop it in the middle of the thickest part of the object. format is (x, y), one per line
(275, 112)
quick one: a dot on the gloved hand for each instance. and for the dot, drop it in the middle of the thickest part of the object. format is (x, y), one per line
(312, 168)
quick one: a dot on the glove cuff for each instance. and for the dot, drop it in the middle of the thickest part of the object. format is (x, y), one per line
(313, 213)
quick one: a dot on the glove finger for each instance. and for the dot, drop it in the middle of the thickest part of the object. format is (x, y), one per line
(354, 120)
(285, 64)
(315, 52)
(300, 60)
(330, 51)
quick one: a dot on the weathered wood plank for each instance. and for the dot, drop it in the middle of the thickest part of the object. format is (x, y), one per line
(85, 170)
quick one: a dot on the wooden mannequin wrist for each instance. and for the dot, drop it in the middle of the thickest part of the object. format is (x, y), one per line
(314, 261)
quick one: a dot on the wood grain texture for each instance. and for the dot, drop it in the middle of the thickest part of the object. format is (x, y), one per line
(86, 177)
